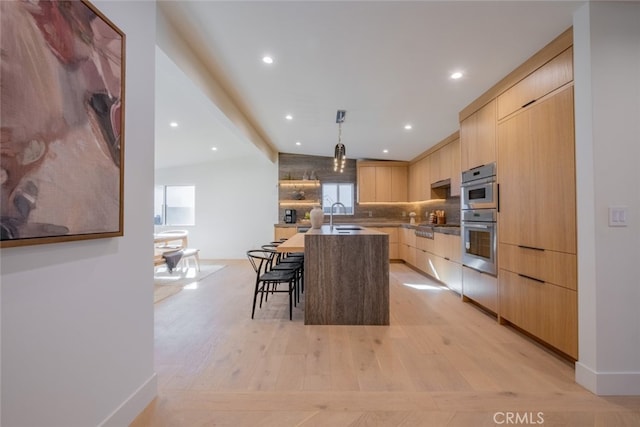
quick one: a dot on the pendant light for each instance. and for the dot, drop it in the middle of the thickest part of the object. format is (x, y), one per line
(340, 152)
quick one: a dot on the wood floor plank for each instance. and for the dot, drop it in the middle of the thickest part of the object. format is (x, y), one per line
(441, 362)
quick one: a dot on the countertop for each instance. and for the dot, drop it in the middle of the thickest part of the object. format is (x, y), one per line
(438, 228)
(296, 242)
(343, 229)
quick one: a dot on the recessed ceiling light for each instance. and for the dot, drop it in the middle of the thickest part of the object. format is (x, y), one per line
(385, 151)
(267, 59)
(214, 148)
(173, 124)
(408, 127)
(288, 117)
(298, 143)
(456, 75)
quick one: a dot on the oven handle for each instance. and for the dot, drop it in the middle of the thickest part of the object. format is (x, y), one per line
(467, 225)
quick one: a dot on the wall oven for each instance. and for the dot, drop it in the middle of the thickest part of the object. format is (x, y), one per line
(479, 189)
(479, 240)
(479, 204)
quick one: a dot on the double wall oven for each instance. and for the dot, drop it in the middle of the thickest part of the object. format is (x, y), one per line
(479, 203)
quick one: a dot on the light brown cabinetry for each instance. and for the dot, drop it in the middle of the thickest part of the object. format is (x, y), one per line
(478, 137)
(406, 245)
(439, 165)
(419, 180)
(536, 175)
(559, 268)
(367, 183)
(283, 232)
(437, 258)
(444, 164)
(456, 170)
(481, 288)
(393, 232)
(382, 181)
(544, 80)
(537, 220)
(445, 263)
(545, 310)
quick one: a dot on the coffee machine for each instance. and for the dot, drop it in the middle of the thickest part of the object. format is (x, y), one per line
(290, 216)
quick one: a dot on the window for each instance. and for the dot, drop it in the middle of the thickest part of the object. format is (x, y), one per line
(174, 205)
(342, 193)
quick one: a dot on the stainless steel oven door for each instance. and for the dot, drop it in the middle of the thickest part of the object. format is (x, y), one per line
(479, 243)
(480, 194)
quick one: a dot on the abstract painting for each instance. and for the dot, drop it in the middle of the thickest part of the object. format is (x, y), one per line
(61, 123)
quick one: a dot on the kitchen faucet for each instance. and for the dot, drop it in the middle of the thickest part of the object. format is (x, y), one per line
(331, 213)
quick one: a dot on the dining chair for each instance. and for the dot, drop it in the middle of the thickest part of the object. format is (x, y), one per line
(268, 279)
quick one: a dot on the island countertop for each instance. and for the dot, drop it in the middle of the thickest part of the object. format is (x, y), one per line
(296, 242)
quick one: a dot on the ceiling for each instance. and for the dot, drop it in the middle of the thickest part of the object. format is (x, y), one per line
(386, 63)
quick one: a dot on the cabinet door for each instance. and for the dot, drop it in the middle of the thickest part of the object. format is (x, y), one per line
(478, 137)
(537, 176)
(394, 251)
(403, 250)
(284, 232)
(547, 311)
(451, 275)
(425, 184)
(481, 288)
(414, 179)
(399, 184)
(544, 80)
(452, 248)
(456, 172)
(435, 166)
(419, 177)
(383, 184)
(367, 184)
(421, 260)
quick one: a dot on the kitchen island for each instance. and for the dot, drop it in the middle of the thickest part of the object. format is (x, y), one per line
(346, 275)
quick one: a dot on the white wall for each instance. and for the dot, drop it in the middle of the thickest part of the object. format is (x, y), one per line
(607, 81)
(77, 317)
(235, 204)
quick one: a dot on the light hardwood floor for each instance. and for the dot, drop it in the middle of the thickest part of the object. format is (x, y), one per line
(441, 362)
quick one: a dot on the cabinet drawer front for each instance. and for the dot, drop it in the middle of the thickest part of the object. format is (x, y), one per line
(544, 80)
(546, 311)
(482, 288)
(558, 268)
(284, 232)
(408, 237)
(421, 261)
(425, 244)
(451, 274)
(394, 251)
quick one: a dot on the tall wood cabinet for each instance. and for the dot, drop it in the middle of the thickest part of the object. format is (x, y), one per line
(537, 219)
(536, 175)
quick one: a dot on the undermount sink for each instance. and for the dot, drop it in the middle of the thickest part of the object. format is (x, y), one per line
(347, 227)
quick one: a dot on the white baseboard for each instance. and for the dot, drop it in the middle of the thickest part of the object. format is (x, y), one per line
(608, 383)
(133, 405)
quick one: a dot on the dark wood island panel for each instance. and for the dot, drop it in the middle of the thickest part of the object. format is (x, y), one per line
(346, 278)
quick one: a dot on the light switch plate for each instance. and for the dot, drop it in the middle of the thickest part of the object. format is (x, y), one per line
(618, 216)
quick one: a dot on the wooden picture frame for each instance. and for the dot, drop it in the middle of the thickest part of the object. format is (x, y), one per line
(61, 122)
